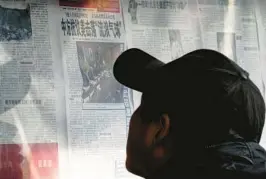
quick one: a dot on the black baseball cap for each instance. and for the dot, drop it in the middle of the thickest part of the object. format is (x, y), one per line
(202, 74)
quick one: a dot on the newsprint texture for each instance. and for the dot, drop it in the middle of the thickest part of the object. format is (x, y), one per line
(62, 113)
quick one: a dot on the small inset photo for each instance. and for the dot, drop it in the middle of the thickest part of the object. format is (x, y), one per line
(175, 43)
(96, 61)
(15, 21)
(132, 10)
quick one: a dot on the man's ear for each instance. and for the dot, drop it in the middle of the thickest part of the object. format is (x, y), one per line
(163, 127)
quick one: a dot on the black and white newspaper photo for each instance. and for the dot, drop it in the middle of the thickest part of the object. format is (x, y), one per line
(96, 63)
(132, 10)
(15, 21)
(175, 43)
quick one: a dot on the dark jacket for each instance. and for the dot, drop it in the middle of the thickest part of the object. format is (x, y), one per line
(244, 160)
(236, 159)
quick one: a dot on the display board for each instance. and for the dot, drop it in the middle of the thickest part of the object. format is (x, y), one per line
(62, 113)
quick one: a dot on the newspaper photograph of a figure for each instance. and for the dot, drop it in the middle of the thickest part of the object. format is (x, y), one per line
(175, 43)
(226, 44)
(15, 21)
(96, 61)
(132, 10)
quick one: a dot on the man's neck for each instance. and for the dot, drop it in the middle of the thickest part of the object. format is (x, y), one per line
(178, 167)
(170, 170)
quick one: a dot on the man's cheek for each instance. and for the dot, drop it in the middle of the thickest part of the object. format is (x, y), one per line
(133, 150)
(131, 158)
(134, 156)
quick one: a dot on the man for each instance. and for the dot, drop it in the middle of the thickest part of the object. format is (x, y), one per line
(200, 116)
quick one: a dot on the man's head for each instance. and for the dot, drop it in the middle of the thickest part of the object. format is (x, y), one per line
(200, 99)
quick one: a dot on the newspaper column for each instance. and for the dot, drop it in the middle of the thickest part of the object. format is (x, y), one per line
(230, 27)
(261, 23)
(98, 107)
(28, 139)
(164, 29)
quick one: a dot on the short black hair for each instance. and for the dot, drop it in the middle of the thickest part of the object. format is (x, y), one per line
(208, 107)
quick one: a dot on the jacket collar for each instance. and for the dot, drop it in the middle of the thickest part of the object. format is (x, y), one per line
(228, 159)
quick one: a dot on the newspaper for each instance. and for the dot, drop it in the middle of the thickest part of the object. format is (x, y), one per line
(164, 29)
(98, 107)
(27, 92)
(169, 29)
(230, 27)
(61, 108)
(261, 23)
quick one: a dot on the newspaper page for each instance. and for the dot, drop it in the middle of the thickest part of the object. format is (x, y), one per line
(28, 138)
(261, 23)
(98, 107)
(230, 27)
(166, 29)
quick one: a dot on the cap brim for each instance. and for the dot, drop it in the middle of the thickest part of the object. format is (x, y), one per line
(136, 69)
